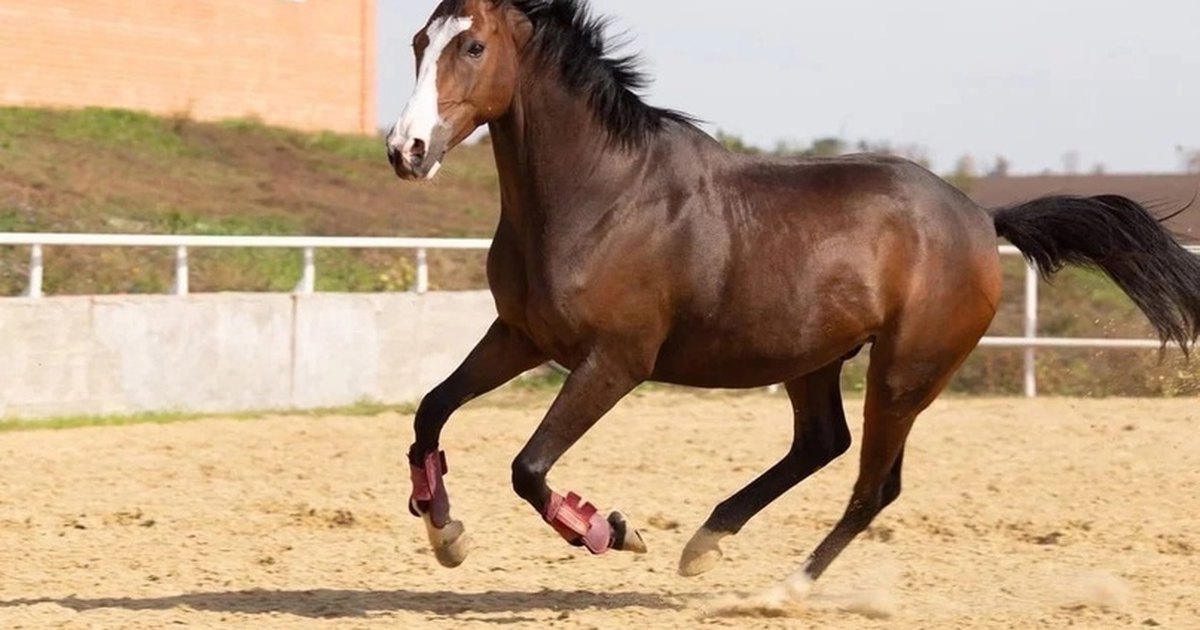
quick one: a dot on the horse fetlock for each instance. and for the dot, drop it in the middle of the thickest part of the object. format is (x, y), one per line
(702, 553)
(429, 495)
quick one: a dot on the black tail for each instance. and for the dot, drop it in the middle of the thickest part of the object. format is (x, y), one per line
(1124, 240)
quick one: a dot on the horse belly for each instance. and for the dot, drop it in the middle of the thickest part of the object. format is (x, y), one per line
(752, 357)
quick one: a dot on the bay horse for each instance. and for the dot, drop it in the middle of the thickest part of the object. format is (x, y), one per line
(633, 247)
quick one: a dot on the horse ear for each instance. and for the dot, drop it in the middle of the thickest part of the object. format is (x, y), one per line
(519, 22)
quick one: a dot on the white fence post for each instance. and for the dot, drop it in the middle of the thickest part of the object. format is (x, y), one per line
(1031, 330)
(35, 272)
(422, 271)
(308, 281)
(181, 271)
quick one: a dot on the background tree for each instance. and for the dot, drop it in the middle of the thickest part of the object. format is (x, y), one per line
(1000, 168)
(1191, 161)
(827, 147)
(964, 174)
(736, 143)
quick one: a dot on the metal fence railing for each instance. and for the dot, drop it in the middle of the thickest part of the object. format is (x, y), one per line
(1031, 342)
(307, 245)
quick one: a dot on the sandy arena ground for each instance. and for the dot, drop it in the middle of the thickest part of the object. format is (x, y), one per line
(1015, 514)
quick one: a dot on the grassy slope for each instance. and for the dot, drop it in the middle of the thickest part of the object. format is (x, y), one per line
(114, 171)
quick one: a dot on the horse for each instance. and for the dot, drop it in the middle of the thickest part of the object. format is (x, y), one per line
(633, 247)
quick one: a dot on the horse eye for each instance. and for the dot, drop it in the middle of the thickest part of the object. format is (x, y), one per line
(476, 49)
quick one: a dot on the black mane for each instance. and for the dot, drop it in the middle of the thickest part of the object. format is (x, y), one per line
(568, 35)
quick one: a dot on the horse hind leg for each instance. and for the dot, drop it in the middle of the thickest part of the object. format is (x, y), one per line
(821, 436)
(906, 374)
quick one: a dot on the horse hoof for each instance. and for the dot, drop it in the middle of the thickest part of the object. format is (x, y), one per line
(702, 553)
(450, 544)
(625, 538)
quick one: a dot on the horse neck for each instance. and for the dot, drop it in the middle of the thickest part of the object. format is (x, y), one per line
(556, 161)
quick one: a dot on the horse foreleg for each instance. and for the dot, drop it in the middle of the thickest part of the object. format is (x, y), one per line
(591, 390)
(820, 436)
(503, 354)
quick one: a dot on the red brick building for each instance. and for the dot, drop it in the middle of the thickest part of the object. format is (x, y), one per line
(308, 64)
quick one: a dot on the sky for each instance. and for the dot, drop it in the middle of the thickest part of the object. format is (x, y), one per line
(1115, 81)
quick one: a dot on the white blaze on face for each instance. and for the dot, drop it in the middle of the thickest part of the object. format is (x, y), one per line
(420, 116)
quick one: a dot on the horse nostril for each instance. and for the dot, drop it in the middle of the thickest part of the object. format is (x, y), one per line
(416, 151)
(393, 156)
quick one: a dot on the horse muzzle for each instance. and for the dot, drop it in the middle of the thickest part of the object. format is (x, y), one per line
(414, 171)
(416, 159)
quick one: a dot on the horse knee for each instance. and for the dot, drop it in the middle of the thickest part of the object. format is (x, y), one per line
(527, 480)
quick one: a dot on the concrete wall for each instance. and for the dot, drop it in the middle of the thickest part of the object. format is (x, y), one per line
(229, 352)
(306, 64)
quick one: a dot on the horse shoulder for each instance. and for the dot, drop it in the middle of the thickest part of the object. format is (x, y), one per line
(508, 278)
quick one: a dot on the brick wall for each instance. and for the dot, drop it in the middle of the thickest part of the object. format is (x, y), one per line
(308, 64)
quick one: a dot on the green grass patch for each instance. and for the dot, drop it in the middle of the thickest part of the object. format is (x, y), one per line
(256, 127)
(355, 147)
(14, 221)
(363, 409)
(360, 148)
(1097, 288)
(544, 379)
(342, 271)
(121, 129)
(21, 121)
(175, 222)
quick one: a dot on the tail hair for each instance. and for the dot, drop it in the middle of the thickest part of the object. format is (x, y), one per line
(1123, 239)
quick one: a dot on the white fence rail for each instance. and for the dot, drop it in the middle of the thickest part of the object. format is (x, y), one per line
(308, 245)
(37, 243)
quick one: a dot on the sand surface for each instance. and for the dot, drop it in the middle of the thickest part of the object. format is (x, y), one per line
(1015, 514)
